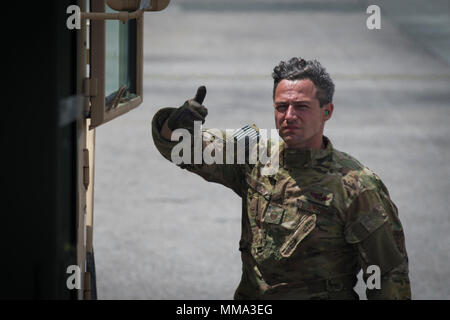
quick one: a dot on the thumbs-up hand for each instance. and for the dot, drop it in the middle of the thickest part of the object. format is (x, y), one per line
(192, 110)
(200, 95)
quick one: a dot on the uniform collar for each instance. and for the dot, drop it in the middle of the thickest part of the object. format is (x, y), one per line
(299, 158)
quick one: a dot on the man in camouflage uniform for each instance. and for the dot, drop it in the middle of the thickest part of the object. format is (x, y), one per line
(311, 226)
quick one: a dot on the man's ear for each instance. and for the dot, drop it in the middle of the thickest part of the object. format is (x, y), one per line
(327, 111)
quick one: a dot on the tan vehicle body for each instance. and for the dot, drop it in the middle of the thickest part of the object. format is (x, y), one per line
(91, 85)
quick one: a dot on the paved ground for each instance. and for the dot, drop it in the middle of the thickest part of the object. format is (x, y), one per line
(162, 233)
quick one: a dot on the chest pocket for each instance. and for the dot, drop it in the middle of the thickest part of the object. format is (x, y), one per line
(314, 220)
(306, 225)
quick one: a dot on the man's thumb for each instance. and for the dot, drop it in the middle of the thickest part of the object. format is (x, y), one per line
(201, 93)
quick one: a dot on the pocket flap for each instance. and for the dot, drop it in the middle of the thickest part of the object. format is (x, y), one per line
(364, 226)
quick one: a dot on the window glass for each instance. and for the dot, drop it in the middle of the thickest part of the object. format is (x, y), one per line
(120, 61)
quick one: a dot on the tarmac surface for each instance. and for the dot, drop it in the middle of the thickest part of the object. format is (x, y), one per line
(164, 233)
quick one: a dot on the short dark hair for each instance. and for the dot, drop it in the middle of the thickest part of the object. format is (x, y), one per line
(297, 69)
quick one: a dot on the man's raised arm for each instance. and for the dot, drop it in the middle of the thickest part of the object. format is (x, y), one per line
(169, 122)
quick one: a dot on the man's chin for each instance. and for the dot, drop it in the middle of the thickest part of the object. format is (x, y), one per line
(289, 140)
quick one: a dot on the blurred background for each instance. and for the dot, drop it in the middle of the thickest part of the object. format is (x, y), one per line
(163, 233)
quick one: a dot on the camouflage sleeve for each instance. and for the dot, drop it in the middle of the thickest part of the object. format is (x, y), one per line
(374, 229)
(212, 165)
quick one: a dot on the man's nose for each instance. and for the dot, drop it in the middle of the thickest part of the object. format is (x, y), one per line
(290, 113)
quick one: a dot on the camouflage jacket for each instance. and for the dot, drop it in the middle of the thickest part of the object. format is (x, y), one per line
(308, 229)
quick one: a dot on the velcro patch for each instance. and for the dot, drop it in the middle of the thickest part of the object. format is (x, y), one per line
(274, 214)
(323, 198)
(307, 224)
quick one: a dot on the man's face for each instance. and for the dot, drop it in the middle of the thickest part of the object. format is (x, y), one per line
(298, 115)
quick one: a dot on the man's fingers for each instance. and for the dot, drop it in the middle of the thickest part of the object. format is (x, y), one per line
(202, 111)
(201, 93)
(197, 107)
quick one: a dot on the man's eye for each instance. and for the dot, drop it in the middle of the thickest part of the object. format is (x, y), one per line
(281, 108)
